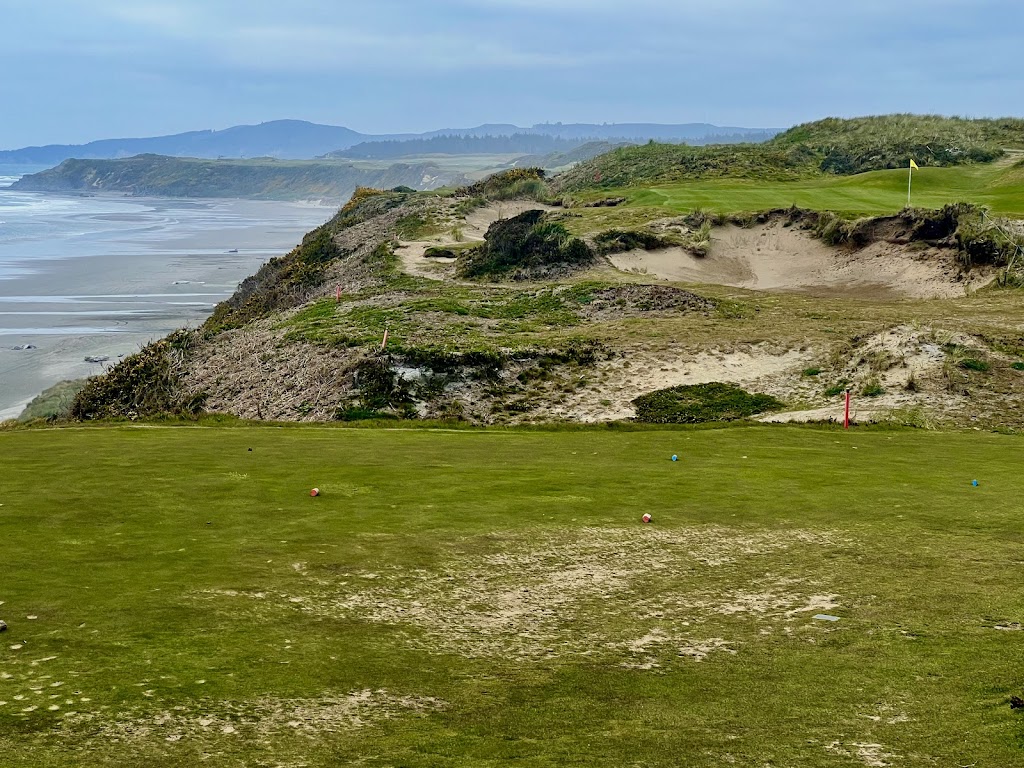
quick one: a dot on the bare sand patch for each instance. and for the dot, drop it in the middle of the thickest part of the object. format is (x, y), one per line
(415, 263)
(774, 257)
(900, 360)
(623, 379)
(479, 220)
(873, 755)
(473, 229)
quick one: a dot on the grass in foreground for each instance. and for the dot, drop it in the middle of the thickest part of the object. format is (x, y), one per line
(477, 598)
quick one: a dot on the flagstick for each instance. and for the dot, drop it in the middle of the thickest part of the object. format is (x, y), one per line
(910, 184)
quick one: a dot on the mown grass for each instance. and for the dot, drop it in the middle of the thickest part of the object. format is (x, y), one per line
(874, 193)
(122, 542)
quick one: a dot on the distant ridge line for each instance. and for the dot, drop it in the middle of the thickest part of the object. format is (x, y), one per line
(301, 140)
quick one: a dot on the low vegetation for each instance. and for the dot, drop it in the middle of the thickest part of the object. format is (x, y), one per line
(53, 403)
(282, 282)
(142, 385)
(697, 403)
(529, 245)
(850, 146)
(514, 184)
(619, 240)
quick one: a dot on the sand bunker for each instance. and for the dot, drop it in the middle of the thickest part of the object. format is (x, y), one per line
(625, 378)
(774, 257)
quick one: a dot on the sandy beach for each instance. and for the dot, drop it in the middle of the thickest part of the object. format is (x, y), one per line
(101, 278)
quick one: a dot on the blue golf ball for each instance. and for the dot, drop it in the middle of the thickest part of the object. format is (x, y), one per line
(674, 457)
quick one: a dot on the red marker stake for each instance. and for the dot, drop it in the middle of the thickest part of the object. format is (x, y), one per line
(846, 421)
(337, 295)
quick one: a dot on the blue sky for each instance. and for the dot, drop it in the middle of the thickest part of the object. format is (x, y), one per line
(73, 71)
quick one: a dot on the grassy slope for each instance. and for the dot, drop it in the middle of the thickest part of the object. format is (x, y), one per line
(853, 166)
(874, 193)
(106, 541)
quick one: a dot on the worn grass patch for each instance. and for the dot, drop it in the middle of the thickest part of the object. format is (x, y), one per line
(466, 598)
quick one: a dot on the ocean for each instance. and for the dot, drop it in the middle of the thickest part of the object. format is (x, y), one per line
(99, 276)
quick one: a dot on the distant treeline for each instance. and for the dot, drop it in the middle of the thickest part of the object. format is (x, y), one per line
(516, 144)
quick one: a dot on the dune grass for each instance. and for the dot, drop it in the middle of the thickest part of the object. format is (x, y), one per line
(875, 193)
(480, 598)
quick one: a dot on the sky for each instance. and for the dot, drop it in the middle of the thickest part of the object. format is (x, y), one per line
(76, 70)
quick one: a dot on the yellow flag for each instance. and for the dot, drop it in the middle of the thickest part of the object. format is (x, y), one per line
(912, 163)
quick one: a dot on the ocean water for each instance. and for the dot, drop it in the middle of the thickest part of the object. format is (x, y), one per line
(36, 227)
(86, 276)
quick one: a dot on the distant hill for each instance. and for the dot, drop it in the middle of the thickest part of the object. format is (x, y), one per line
(155, 175)
(298, 140)
(284, 139)
(518, 143)
(833, 146)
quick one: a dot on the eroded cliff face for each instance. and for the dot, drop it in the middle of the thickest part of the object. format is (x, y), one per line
(160, 176)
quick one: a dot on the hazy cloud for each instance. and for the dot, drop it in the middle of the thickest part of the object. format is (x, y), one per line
(75, 70)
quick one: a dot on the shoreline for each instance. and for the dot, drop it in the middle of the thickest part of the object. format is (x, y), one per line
(106, 293)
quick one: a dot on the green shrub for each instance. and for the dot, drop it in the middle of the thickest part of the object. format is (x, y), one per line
(379, 385)
(872, 388)
(693, 404)
(527, 244)
(973, 364)
(812, 371)
(439, 252)
(517, 183)
(142, 385)
(831, 229)
(1017, 366)
(838, 388)
(620, 240)
(415, 226)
